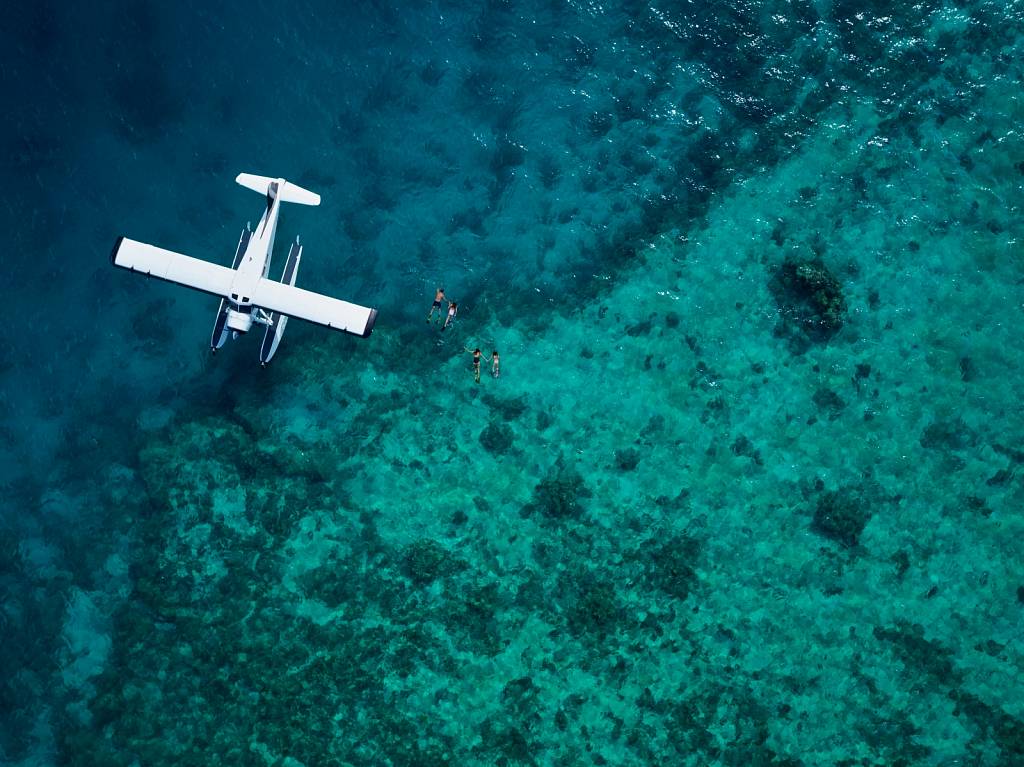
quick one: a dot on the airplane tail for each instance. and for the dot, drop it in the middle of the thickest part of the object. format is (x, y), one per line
(286, 191)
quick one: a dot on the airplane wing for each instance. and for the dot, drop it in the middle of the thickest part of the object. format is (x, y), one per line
(269, 295)
(171, 266)
(314, 307)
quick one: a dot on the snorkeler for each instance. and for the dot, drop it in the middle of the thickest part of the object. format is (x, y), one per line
(476, 362)
(495, 365)
(438, 298)
(453, 309)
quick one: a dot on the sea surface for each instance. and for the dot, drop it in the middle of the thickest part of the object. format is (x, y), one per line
(748, 490)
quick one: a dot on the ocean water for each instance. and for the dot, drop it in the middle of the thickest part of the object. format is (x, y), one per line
(746, 492)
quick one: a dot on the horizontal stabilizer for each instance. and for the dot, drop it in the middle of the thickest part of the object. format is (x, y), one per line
(286, 191)
(171, 266)
(314, 307)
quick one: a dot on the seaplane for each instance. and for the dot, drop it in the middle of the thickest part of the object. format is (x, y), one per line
(247, 296)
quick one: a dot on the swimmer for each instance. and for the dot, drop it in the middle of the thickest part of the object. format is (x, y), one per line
(438, 298)
(495, 365)
(453, 309)
(476, 362)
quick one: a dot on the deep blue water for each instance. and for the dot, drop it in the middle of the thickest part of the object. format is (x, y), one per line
(746, 491)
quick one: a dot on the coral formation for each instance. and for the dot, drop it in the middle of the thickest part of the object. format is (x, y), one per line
(496, 438)
(559, 495)
(810, 300)
(841, 515)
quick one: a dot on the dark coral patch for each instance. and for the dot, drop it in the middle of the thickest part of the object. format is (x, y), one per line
(496, 438)
(742, 446)
(948, 435)
(627, 459)
(508, 409)
(426, 560)
(841, 516)
(669, 564)
(558, 495)
(828, 401)
(810, 300)
(595, 608)
(926, 655)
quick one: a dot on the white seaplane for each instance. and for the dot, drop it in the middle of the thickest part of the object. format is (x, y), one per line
(246, 295)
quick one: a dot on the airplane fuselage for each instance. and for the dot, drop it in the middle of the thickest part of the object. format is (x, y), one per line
(255, 264)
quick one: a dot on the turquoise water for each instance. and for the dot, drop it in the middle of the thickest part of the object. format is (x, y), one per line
(746, 492)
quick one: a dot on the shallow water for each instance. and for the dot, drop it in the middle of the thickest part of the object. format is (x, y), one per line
(745, 492)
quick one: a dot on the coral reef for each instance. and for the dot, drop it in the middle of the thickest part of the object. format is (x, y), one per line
(810, 300)
(841, 515)
(559, 495)
(655, 539)
(497, 438)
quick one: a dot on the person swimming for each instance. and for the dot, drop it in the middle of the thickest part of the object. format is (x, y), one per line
(495, 364)
(453, 309)
(476, 362)
(438, 298)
